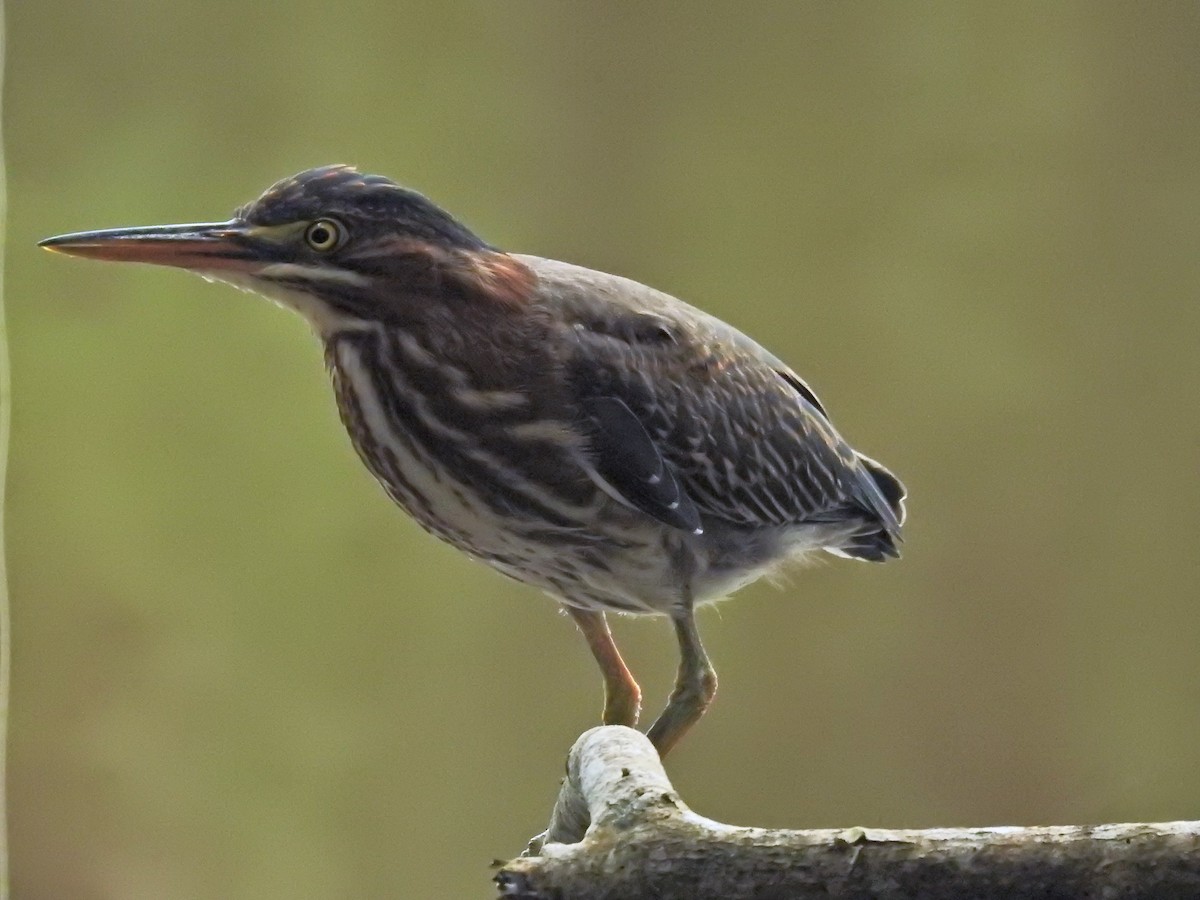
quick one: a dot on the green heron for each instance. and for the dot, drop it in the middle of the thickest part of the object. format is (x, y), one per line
(578, 431)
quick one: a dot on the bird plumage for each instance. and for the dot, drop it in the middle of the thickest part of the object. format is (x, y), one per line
(609, 422)
(578, 431)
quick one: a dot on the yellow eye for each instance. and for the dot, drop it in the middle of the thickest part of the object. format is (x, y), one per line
(324, 235)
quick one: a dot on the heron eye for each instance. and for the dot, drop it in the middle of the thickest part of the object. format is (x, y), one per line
(324, 235)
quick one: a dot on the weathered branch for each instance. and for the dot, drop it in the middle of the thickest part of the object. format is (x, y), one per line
(619, 830)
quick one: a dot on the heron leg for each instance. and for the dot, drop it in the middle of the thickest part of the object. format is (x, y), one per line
(622, 696)
(695, 685)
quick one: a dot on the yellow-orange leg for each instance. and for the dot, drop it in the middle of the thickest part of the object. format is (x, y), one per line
(695, 686)
(622, 696)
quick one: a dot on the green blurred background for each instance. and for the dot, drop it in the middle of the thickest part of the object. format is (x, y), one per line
(241, 673)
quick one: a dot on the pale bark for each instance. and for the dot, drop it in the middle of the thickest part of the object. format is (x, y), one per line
(619, 830)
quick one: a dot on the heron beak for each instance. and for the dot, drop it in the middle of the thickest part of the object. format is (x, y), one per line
(213, 246)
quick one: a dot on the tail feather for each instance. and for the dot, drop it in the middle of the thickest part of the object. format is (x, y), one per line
(891, 487)
(883, 499)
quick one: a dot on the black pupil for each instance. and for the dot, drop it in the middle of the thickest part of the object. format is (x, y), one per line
(320, 235)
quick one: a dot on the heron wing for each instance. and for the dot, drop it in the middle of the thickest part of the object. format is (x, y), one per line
(693, 414)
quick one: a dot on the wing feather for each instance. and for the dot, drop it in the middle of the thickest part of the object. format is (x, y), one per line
(739, 437)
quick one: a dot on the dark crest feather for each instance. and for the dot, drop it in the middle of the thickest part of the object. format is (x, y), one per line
(368, 200)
